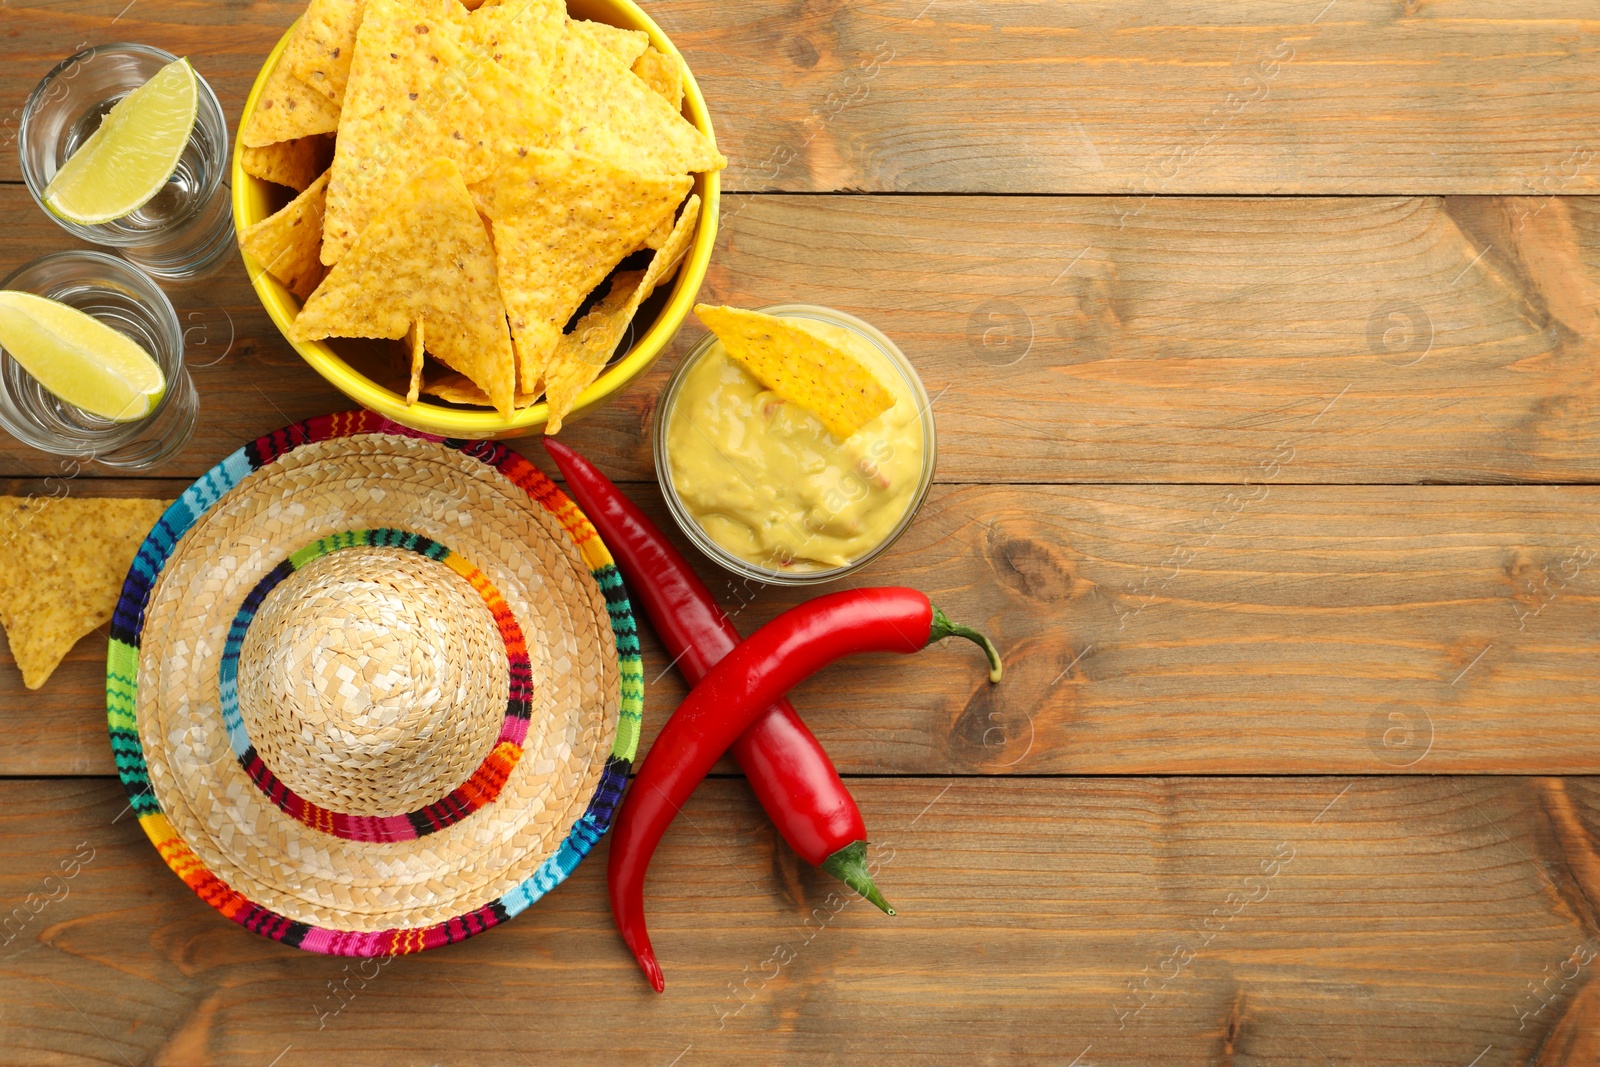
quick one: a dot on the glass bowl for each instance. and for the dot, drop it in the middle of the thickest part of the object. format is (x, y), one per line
(737, 564)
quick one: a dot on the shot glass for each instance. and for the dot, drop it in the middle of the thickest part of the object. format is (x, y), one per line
(124, 298)
(187, 227)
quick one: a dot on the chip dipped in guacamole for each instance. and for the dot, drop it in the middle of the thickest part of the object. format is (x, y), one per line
(761, 472)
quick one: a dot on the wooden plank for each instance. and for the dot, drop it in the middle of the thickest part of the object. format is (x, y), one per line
(1154, 98)
(1379, 340)
(1090, 97)
(1080, 339)
(1164, 630)
(1372, 921)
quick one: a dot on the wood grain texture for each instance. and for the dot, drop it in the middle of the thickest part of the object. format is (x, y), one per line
(1354, 96)
(1082, 339)
(1070, 340)
(1154, 98)
(1163, 630)
(1242, 485)
(1371, 921)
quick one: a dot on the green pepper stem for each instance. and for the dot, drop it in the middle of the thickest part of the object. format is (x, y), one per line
(943, 627)
(849, 865)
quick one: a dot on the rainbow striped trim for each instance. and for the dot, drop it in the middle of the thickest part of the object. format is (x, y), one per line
(480, 788)
(122, 673)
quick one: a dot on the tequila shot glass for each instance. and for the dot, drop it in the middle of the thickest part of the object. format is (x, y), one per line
(186, 228)
(124, 298)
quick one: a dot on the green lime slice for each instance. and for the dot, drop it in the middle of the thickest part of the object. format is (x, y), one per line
(130, 157)
(80, 359)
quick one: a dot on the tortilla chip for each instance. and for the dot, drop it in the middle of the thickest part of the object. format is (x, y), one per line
(417, 93)
(287, 243)
(415, 343)
(607, 112)
(293, 163)
(663, 72)
(626, 45)
(665, 263)
(287, 110)
(520, 35)
(583, 353)
(458, 389)
(658, 236)
(806, 363)
(424, 255)
(561, 222)
(61, 571)
(319, 54)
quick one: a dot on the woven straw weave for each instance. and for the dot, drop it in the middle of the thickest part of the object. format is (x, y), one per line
(373, 681)
(372, 684)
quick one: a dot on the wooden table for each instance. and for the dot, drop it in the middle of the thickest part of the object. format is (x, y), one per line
(1264, 339)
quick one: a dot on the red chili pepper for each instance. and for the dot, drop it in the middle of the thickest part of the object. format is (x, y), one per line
(787, 767)
(767, 664)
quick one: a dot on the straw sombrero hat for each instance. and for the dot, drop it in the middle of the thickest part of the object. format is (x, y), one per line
(371, 691)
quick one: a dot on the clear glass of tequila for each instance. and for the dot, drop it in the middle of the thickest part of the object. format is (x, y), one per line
(186, 228)
(124, 298)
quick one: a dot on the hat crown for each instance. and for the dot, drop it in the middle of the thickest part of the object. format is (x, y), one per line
(372, 681)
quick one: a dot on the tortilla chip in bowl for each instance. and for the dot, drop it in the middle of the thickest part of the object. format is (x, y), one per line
(640, 136)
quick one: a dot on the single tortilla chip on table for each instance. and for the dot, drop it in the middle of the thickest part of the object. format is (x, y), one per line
(626, 45)
(607, 111)
(662, 72)
(288, 243)
(419, 92)
(424, 256)
(295, 164)
(62, 570)
(287, 110)
(319, 53)
(582, 354)
(561, 222)
(806, 363)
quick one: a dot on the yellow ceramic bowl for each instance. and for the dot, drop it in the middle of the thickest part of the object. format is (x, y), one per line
(254, 200)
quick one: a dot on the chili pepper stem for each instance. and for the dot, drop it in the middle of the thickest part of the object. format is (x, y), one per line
(849, 865)
(942, 627)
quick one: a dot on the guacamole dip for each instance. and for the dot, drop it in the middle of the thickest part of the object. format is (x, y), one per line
(767, 481)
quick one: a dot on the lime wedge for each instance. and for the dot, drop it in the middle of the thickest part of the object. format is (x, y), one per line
(130, 157)
(80, 359)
